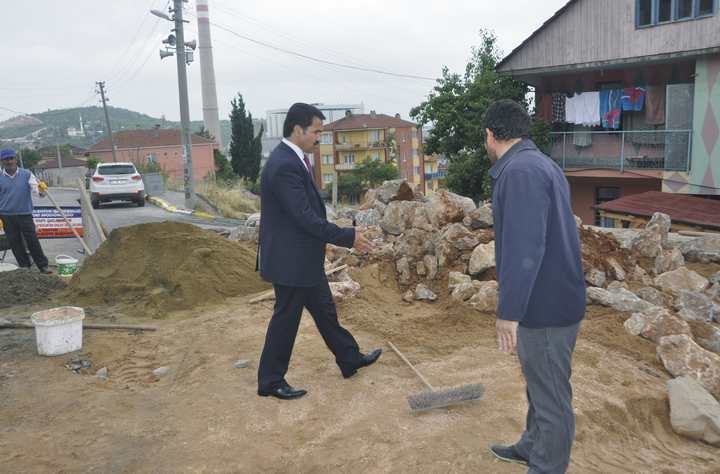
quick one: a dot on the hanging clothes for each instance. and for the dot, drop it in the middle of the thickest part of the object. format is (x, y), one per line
(582, 137)
(583, 109)
(558, 108)
(610, 108)
(633, 99)
(655, 105)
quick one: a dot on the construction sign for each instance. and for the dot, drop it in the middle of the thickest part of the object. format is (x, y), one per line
(50, 223)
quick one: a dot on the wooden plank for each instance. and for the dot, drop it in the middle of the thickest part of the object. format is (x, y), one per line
(93, 217)
(129, 327)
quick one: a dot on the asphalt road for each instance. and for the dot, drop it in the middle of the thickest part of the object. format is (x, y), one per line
(113, 215)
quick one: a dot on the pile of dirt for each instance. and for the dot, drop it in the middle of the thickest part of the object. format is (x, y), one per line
(598, 247)
(24, 286)
(157, 268)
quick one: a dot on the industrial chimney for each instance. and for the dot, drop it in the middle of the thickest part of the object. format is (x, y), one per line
(207, 73)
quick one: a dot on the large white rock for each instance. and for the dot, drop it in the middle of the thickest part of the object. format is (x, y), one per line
(398, 216)
(367, 218)
(616, 270)
(396, 190)
(457, 278)
(423, 293)
(480, 218)
(656, 323)
(482, 258)
(669, 260)
(620, 299)
(595, 277)
(648, 242)
(458, 236)
(693, 306)
(682, 356)
(403, 268)
(463, 292)
(703, 249)
(343, 290)
(693, 411)
(681, 279)
(431, 266)
(652, 295)
(486, 298)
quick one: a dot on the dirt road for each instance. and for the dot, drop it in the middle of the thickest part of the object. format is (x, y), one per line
(205, 416)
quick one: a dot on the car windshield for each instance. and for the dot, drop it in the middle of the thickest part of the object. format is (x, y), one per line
(116, 169)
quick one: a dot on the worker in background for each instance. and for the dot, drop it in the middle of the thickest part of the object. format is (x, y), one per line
(17, 186)
(541, 283)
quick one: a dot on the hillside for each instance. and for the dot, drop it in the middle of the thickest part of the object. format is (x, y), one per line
(63, 126)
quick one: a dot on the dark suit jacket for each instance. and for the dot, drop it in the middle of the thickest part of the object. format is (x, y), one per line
(293, 224)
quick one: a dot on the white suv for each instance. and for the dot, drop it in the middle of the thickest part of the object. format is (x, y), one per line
(116, 182)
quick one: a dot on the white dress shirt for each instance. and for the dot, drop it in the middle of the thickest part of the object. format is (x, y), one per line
(32, 181)
(298, 152)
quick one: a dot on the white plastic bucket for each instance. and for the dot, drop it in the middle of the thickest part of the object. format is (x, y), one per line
(7, 267)
(66, 265)
(58, 330)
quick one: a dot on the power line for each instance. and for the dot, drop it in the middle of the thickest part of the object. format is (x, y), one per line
(318, 60)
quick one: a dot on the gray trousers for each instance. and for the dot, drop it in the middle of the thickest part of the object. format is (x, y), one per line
(546, 360)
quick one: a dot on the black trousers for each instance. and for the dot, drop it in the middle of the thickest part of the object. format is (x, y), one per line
(20, 230)
(283, 327)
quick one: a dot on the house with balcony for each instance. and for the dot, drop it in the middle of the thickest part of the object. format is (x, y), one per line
(353, 139)
(631, 89)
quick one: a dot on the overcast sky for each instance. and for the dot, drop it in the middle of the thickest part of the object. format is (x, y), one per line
(54, 51)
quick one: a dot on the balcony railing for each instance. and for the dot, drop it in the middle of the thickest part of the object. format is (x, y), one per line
(436, 175)
(345, 166)
(667, 150)
(360, 146)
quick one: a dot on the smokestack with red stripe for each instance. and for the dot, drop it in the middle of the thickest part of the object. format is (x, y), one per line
(207, 73)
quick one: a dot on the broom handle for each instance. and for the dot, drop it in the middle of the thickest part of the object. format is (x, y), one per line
(404, 359)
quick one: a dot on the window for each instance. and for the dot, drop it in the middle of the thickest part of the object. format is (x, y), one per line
(664, 11)
(327, 159)
(375, 156)
(350, 158)
(684, 9)
(417, 170)
(706, 7)
(326, 139)
(644, 12)
(413, 133)
(655, 12)
(343, 138)
(428, 168)
(602, 195)
(327, 178)
(374, 136)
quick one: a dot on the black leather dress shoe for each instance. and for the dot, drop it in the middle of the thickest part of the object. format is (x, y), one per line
(45, 270)
(283, 392)
(366, 360)
(508, 454)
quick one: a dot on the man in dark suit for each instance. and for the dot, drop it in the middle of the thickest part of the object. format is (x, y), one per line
(291, 255)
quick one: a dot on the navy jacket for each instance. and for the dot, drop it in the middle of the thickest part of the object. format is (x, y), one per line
(537, 244)
(293, 224)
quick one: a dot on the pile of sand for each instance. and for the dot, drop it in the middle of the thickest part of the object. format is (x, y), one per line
(24, 286)
(161, 267)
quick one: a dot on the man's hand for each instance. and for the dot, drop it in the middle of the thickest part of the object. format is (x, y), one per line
(42, 187)
(507, 335)
(361, 244)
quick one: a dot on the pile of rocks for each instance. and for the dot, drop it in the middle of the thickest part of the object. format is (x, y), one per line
(677, 309)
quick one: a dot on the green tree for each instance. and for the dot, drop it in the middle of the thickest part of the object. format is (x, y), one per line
(30, 158)
(456, 107)
(373, 173)
(223, 169)
(245, 147)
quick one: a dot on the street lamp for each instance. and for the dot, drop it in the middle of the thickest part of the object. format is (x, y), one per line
(181, 49)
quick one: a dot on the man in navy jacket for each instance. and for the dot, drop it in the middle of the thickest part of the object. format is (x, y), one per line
(541, 283)
(291, 255)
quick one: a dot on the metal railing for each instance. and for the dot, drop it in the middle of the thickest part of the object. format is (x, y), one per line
(436, 175)
(668, 150)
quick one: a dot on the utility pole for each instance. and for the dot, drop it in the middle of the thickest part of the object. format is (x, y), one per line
(178, 41)
(101, 86)
(59, 163)
(184, 107)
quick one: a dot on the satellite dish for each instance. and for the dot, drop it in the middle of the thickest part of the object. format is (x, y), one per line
(164, 53)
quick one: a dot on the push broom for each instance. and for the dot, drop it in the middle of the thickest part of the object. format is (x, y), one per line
(439, 398)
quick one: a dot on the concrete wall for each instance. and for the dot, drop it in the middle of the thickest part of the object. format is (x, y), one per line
(583, 191)
(65, 177)
(596, 31)
(169, 158)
